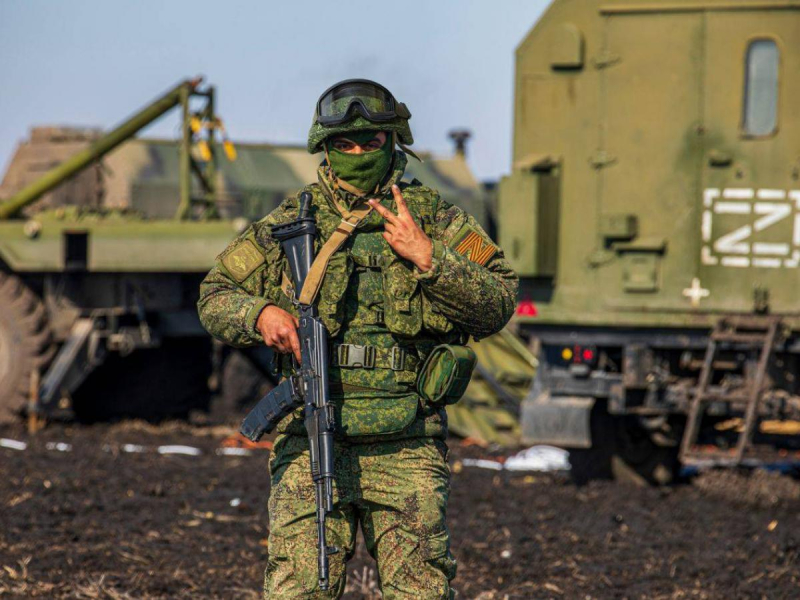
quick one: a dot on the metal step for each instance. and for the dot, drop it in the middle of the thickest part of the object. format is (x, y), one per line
(710, 459)
(719, 397)
(739, 338)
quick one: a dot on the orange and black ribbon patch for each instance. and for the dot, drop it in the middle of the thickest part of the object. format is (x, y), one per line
(470, 243)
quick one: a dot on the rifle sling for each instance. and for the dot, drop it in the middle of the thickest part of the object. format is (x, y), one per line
(317, 271)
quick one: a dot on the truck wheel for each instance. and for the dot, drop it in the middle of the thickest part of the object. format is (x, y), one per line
(242, 386)
(588, 464)
(25, 344)
(623, 450)
(641, 456)
(152, 384)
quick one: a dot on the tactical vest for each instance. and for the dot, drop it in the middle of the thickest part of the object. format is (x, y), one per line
(370, 299)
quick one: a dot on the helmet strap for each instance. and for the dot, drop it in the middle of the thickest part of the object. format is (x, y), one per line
(403, 147)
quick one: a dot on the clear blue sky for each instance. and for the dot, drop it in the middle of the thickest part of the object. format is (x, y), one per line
(93, 62)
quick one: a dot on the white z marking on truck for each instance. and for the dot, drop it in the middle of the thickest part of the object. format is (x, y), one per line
(736, 248)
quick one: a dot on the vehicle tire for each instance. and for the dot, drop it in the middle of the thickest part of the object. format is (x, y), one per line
(25, 344)
(625, 451)
(243, 384)
(153, 384)
(641, 455)
(588, 464)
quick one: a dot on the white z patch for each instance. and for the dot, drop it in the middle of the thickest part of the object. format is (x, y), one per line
(764, 209)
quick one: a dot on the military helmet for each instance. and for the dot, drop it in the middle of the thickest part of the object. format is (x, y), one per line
(358, 105)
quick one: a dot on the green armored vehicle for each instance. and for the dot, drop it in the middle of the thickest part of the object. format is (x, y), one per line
(104, 239)
(653, 213)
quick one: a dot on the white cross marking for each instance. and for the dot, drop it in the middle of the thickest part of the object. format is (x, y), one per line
(696, 292)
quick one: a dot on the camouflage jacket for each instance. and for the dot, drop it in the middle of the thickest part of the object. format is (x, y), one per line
(370, 296)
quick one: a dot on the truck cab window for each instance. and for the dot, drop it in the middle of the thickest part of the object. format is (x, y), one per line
(761, 88)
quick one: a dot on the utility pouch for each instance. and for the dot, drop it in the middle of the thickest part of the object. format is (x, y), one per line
(445, 374)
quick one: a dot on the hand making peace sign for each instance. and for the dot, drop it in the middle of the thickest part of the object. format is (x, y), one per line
(403, 234)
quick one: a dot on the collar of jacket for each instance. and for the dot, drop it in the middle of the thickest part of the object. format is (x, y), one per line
(331, 191)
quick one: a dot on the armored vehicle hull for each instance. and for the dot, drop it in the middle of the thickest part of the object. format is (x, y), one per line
(655, 163)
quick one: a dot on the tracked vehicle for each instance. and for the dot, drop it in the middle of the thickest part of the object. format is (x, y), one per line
(84, 282)
(104, 239)
(653, 213)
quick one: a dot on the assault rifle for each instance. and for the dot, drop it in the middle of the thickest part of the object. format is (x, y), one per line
(308, 386)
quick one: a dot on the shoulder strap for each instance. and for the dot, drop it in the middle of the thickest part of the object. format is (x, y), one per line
(317, 271)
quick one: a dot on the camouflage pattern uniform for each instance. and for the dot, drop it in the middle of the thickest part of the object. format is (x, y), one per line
(391, 469)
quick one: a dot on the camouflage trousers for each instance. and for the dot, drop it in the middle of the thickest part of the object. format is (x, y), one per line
(397, 491)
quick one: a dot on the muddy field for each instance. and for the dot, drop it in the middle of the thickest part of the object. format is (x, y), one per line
(97, 519)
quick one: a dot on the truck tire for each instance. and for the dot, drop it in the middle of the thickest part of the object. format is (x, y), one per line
(25, 344)
(623, 450)
(153, 384)
(243, 384)
(639, 458)
(588, 464)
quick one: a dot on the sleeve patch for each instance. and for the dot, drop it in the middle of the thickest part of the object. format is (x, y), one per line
(470, 243)
(242, 261)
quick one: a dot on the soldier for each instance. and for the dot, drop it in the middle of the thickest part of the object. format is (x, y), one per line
(416, 272)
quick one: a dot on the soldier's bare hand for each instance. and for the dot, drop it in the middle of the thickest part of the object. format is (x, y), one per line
(279, 330)
(403, 234)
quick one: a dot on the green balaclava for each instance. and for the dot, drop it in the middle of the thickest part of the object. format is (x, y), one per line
(361, 171)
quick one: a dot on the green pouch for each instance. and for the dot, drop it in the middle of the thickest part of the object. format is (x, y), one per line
(445, 374)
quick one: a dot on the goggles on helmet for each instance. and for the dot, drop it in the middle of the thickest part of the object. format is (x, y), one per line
(340, 103)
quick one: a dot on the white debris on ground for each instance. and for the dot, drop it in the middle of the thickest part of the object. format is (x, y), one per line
(535, 458)
(482, 463)
(132, 448)
(233, 451)
(539, 458)
(186, 450)
(12, 444)
(59, 446)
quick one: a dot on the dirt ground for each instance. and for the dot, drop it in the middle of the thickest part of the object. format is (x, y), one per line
(101, 521)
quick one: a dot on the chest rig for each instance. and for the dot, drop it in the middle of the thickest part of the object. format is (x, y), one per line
(363, 259)
(381, 324)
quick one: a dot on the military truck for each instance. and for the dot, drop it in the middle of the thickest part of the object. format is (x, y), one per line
(104, 239)
(653, 213)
